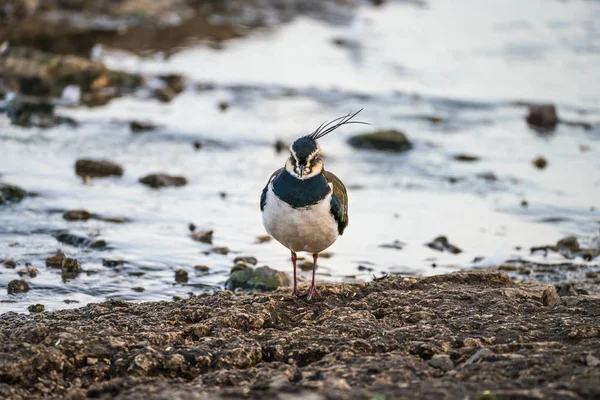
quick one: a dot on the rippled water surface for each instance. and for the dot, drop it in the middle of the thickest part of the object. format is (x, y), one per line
(463, 62)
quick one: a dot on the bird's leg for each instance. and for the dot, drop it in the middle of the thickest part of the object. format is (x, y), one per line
(295, 292)
(312, 290)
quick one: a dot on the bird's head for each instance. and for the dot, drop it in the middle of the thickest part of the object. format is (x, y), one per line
(305, 161)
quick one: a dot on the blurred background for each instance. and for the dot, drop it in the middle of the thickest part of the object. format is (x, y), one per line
(136, 137)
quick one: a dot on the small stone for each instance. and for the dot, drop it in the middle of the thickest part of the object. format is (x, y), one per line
(524, 203)
(181, 276)
(164, 94)
(396, 244)
(97, 168)
(592, 361)
(223, 106)
(220, 250)
(191, 227)
(363, 268)
(10, 263)
(567, 290)
(549, 296)
(466, 157)
(137, 126)
(70, 268)
(263, 239)
(36, 308)
(112, 263)
(280, 146)
(77, 215)
(138, 289)
(540, 162)
(175, 82)
(223, 195)
(11, 194)
(247, 259)
(56, 260)
(441, 243)
(384, 140)
(197, 144)
(441, 362)
(542, 117)
(488, 176)
(240, 266)
(325, 254)
(568, 243)
(472, 342)
(91, 361)
(306, 266)
(203, 236)
(17, 286)
(201, 268)
(591, 274)
(163, 180)
(31, 272)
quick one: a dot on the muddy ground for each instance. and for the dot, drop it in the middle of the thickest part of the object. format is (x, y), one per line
(465, 335)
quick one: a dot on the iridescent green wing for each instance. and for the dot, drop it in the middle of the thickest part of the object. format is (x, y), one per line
(339, 201)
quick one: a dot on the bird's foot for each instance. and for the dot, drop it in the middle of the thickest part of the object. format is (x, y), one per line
(297, 293)
(310, 293)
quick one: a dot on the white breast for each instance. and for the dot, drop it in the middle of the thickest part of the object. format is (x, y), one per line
(311, 229)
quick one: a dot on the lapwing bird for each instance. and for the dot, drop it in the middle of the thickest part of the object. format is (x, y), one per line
(304, 207)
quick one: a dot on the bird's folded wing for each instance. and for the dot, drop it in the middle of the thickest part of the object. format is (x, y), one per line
(339, 201)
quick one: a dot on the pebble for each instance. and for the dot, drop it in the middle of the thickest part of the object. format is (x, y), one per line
(203, 236)
(441, 362)
(181, 276)
(246, 259)
(17, 286)
(540, 162)
(36, 308)
(31, 272)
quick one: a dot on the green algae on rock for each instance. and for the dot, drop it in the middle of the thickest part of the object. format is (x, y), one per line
(384, 140)
(10, 193)
(262, 279)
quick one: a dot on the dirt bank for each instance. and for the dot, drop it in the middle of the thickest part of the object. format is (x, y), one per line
(473, 334)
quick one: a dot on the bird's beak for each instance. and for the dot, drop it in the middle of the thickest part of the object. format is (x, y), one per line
(301, 170)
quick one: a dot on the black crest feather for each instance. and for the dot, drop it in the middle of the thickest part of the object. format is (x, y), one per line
(330, 126)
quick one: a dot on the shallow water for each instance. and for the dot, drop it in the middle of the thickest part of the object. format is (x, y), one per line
(464, 62)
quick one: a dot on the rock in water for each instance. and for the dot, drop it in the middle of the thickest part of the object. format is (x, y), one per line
(542, 116)
(385, 140)
(10, 193)
(70, 268)
(247, 259)
(77, 215)
(163, 180)
(568, 243)
(203, 236)
(97, 168)
(17, 286)
(441, 243)
(540, 162)
(28, 112)
(56, 261)
(36, 308)
(263, 278)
